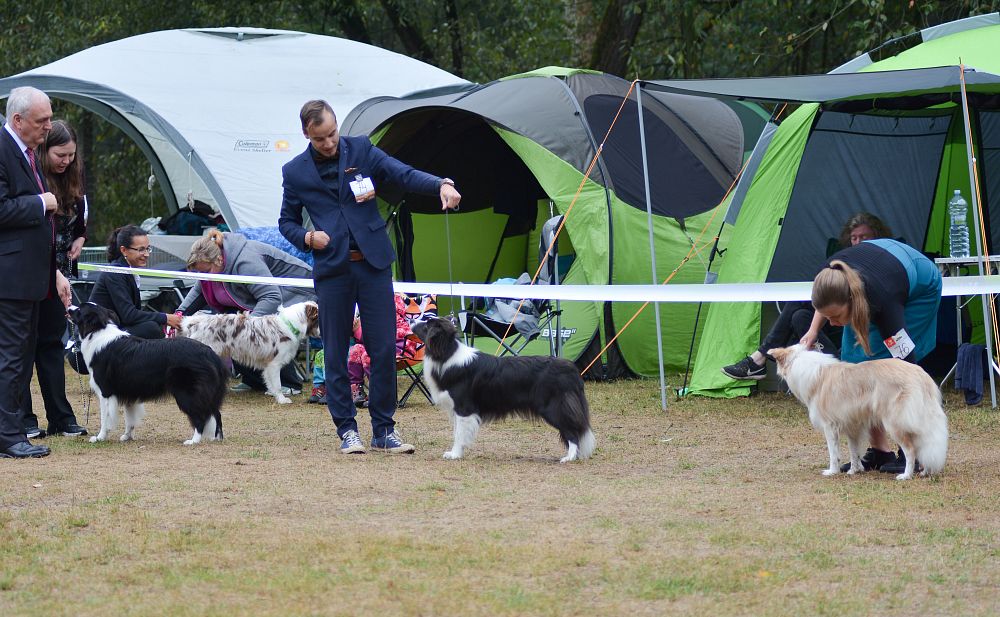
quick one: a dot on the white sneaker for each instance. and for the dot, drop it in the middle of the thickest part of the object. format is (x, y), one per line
(290, 391)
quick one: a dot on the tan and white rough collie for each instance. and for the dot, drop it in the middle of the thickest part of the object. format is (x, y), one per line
(265, 342)
(852, 398)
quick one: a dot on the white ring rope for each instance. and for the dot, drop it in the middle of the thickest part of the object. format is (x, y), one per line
(718, 292)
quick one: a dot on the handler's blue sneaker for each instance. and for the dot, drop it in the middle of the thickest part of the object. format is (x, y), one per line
(392, 443)
(351, 443)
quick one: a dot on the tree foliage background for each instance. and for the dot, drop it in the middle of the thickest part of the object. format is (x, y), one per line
(480, 40)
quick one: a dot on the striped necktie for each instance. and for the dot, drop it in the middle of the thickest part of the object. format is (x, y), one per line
(34, 168)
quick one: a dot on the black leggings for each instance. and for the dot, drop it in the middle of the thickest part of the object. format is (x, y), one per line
(792, 324)
(253, 377)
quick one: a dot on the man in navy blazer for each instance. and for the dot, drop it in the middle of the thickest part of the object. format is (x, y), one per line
(27, 257)
(335, 180)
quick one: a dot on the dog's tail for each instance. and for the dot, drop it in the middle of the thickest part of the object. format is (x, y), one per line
(575, 422)
(586, 445)
(932, 443)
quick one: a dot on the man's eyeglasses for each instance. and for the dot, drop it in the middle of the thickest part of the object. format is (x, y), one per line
(144, 250)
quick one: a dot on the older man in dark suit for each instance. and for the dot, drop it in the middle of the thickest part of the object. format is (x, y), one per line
(335, 180)
(27, 256)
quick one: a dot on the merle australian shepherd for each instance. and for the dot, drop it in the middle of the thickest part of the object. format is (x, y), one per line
(126, 370)
(264, 342)
(475, 388)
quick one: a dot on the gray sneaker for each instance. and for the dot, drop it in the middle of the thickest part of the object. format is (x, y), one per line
(351, 443)
(745, 369)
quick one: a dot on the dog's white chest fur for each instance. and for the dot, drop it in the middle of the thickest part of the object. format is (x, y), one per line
(463, 356)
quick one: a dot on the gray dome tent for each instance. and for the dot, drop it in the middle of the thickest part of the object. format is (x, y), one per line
(521, 145)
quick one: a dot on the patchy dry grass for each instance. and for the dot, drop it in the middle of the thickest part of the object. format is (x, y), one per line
(716, 507)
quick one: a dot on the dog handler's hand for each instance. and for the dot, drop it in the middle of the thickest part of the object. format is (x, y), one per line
(63, 289)
(174, 320)
(320, 239)
(449, 197)
(808, 339)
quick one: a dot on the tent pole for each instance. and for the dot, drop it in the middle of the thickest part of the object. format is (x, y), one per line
(987, 299)
(697, 316)
(652, 246)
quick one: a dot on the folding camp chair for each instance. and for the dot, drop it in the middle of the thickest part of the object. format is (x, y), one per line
(408, 363)
(417, 307)
(511, 340)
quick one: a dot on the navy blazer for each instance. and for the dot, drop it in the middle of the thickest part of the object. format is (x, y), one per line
(304, 188)
(27, 250)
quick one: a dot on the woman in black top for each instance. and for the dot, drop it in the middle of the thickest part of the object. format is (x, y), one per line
(63, 170)
(128, 246)
(796, 317)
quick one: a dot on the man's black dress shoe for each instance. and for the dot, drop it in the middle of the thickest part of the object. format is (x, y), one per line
(24, 449)
(70, 430)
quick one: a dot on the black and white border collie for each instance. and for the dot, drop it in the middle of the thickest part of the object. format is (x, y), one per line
(476, 388)
(126, 370)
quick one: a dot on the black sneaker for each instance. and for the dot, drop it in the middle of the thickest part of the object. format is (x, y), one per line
(898, 465)
(873, 459)
(745, 369)
(70, 430)
(34, 432)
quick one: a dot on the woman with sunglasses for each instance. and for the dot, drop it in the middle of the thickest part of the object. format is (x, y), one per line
(128, 247)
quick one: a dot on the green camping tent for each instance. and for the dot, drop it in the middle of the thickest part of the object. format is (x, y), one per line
(519, 148)
(885, 134)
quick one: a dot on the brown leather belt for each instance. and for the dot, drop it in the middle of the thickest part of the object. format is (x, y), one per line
(354, 255)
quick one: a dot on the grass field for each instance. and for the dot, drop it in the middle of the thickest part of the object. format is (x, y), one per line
(716, 507)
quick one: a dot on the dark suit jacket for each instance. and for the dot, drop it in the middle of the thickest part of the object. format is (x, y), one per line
(26, 235)
(119, 293)
(303, 188)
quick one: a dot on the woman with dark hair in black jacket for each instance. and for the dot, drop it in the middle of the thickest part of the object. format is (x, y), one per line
(63, 170)
(128, 247)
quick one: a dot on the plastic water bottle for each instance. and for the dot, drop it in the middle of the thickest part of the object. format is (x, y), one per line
(957, 209)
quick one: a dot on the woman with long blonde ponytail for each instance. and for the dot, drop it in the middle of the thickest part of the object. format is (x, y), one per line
(889, 294)
(839, 284)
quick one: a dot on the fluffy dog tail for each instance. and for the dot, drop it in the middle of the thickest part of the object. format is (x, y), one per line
(587, 445)
(573, 422)
(932, 443)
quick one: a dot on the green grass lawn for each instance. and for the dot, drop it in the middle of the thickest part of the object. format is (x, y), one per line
(716, 507)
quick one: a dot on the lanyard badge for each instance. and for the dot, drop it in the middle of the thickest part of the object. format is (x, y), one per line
(363, 188)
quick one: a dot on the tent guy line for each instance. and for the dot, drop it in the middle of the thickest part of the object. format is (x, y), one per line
(718, 292)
